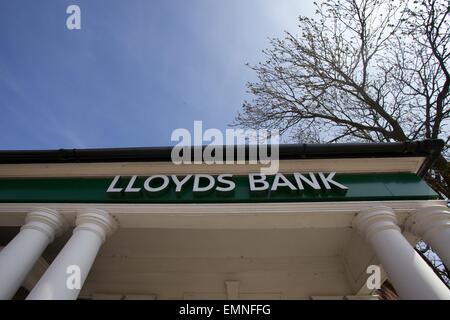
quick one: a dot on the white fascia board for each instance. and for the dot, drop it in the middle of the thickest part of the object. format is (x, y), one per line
(356, 165)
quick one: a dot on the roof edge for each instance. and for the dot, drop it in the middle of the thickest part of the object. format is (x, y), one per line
(430, 149)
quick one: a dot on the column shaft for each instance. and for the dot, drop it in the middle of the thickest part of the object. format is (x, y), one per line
(432, 224)
(21, 253)
(410, 275)
(80, 251)
(60, 282)
(440, 243)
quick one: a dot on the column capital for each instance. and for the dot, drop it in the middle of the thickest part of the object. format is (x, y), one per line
(97, 221)
(428, 219)
(48, 221)
(372, 220)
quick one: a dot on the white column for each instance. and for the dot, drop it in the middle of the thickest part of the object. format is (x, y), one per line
(62, 281)
(432, 224)
(410, 275)
(19, 256)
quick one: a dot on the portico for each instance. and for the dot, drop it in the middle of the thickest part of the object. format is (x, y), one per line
(292, 247)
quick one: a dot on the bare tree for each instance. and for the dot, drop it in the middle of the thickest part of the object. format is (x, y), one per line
(362, 70)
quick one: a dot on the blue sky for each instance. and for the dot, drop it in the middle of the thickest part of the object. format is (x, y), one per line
(134, 72)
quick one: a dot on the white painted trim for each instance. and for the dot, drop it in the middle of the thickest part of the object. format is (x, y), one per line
(222, 216)
(232, 289)
(357, 165)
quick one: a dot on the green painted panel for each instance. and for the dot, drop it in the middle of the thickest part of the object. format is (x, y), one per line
(361, 187)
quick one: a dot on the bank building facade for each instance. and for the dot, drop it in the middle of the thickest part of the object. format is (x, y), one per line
(131, 224)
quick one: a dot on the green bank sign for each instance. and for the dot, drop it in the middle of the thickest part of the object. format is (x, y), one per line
(224, 188)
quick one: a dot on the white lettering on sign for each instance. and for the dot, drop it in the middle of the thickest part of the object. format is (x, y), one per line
(281, 181)
(130, 187)
(164, 184)
(197, 180)
(258, 182)
(112, 186)
(225, 183)
(179, 184)
(329, 180)
(230, 183)
(312, 181)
